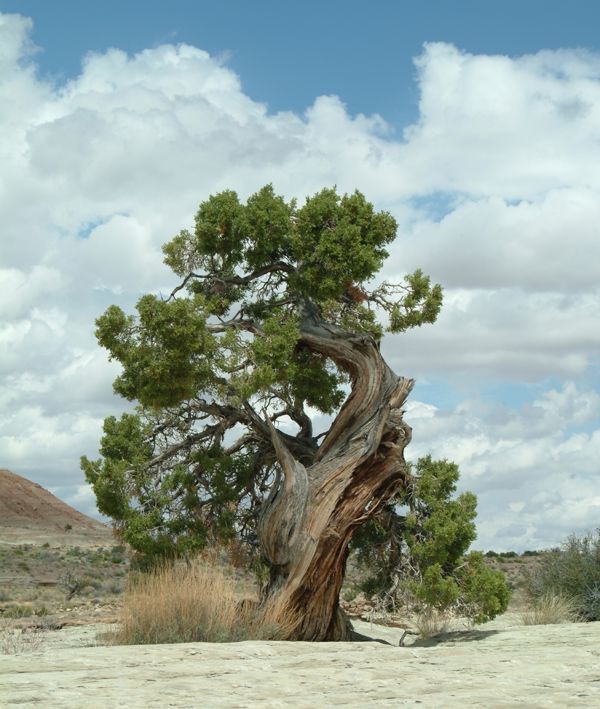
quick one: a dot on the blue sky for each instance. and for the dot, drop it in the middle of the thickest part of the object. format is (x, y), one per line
(477, 124)
(286, 53)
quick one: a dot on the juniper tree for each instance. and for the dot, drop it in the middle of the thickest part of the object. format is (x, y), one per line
(273, 319)
(414, 550)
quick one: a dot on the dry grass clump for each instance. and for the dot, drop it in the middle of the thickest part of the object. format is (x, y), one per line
(431, 622)
(15, 640)
(551, 608)
(194, 603)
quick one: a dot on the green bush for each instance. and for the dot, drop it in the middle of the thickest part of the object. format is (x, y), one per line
(420, 559)
(572, 571)
(18, 611)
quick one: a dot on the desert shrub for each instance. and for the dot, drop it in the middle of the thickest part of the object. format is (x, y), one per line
(187, 603)
(551, 608)
(571, 571)
(18, 611)
(71, 584)
(430, 622)
(15, 640)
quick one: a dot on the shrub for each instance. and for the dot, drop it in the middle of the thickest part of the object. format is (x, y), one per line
(15, 640)
(431, 622)
(572, 571)
(421, 558)
(551, 608)
(18, 611)
(71, 584)
(195, 603)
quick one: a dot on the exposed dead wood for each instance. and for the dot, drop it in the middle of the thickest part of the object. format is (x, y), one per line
(309, 518)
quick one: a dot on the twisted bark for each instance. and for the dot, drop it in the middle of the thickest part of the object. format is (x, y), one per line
(308, 520)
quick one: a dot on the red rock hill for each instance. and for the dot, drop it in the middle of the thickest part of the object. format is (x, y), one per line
(31, 514)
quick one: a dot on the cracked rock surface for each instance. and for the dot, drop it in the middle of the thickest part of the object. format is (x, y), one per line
(495, 665)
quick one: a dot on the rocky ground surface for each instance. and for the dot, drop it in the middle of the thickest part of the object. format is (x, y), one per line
(61, 582)
(500, 664)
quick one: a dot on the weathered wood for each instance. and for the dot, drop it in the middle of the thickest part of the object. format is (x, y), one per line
(309, 518)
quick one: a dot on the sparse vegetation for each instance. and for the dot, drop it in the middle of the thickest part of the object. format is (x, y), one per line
(18, 611)
(38, 575)
(551, 608)
(430, 622)
(571, 571)
(15, 640)
(188, 603)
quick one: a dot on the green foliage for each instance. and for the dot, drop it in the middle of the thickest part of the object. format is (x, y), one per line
(426, 548)
(573, 572)
(421, 304)
(226, 345)
(165, 353)
(338, 241)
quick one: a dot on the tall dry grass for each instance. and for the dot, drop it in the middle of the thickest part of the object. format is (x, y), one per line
(194, 603)
(551, 608)
(431, 622)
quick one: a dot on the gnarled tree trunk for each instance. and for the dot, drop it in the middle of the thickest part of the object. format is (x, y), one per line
(308, 520)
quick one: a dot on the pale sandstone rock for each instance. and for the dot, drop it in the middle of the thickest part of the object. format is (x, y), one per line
(496, 665)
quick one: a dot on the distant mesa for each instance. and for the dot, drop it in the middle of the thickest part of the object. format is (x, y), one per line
(30, 514)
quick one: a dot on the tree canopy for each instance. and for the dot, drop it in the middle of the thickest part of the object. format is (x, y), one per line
(205, 363)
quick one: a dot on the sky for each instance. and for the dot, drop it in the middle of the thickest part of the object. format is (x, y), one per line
(476, 124)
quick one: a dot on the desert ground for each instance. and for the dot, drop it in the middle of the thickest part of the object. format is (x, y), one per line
(54, 653)
(500, 664)
(61, 580)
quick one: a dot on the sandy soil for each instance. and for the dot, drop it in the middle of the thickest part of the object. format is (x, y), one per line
(496, 665)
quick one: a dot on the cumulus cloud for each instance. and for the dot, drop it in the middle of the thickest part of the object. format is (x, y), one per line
(495, 188)
(534, 470)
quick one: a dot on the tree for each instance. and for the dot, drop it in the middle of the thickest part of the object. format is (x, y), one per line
(417, 545)
(272, 315)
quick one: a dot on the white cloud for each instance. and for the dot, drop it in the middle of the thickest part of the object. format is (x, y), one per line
(496, 189)
(547, 245)
(530, 469)
(494, 125)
